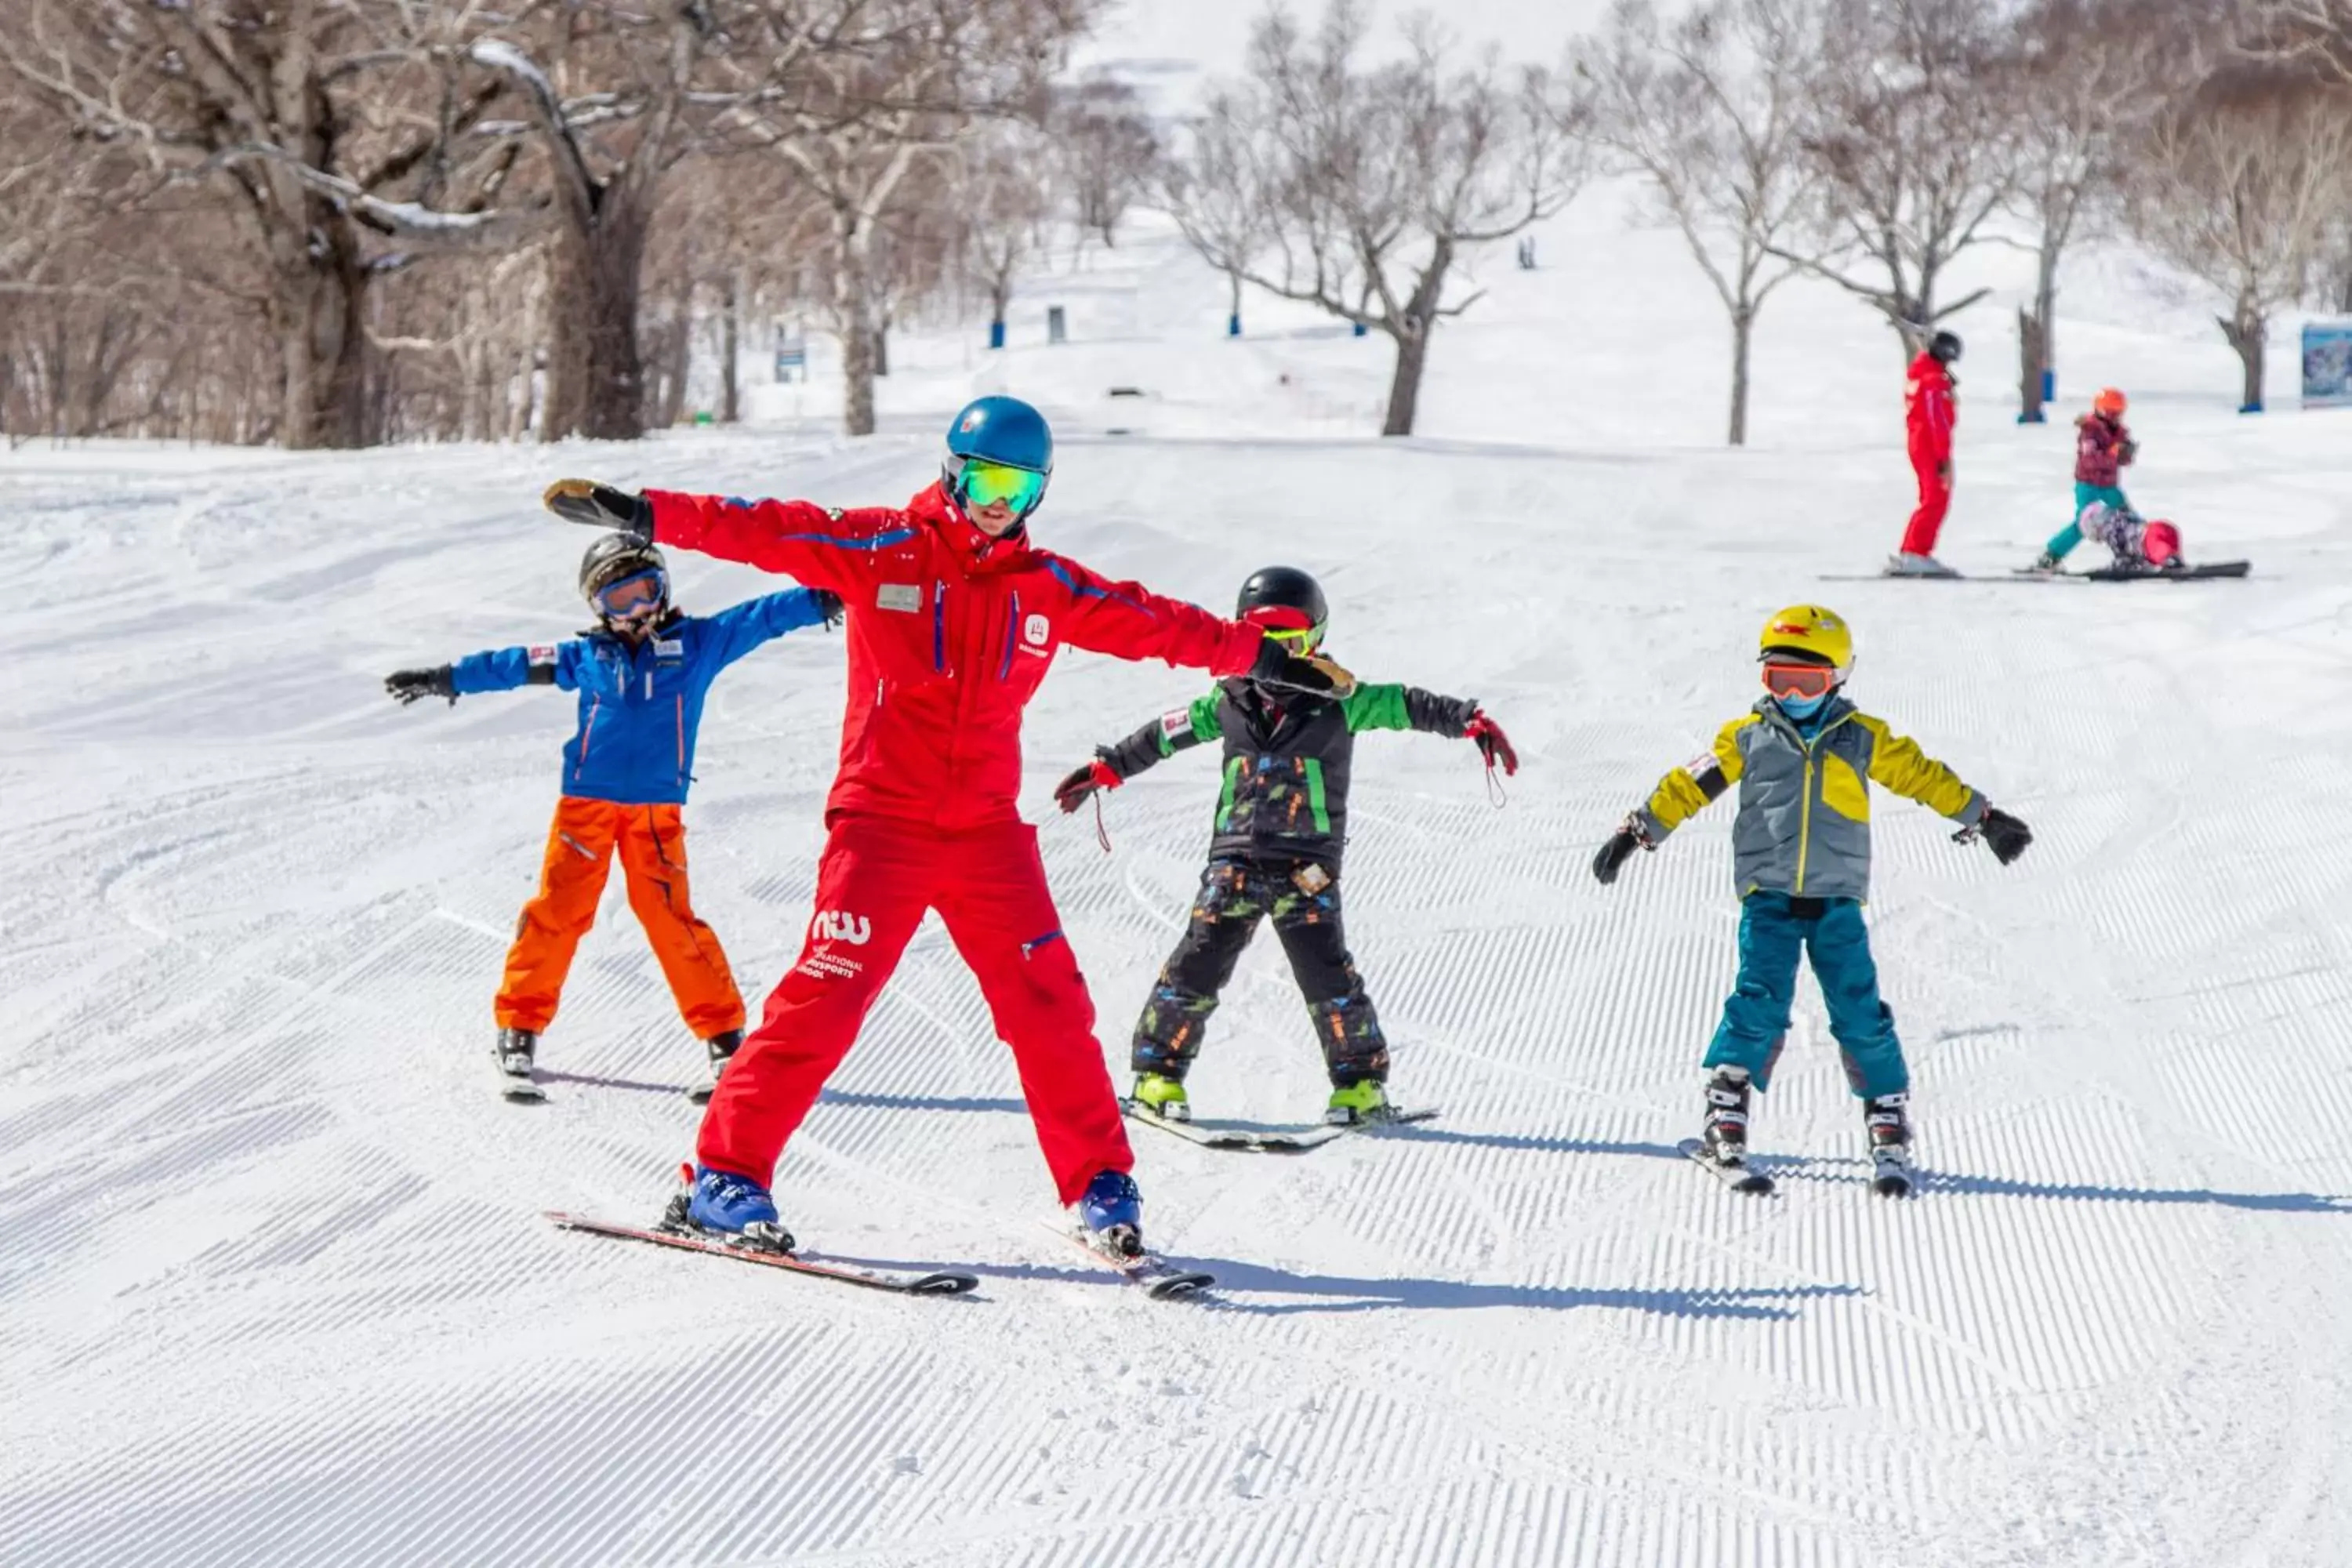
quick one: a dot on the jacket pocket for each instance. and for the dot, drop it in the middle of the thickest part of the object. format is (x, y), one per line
(1843, 790)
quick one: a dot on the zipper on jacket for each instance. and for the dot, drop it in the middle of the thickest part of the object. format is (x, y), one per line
(1805, 820)
(588, 732)
(1004, 670)
(679, 704)
(939, 626)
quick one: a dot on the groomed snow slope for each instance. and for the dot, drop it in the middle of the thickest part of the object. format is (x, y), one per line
(275, 1288)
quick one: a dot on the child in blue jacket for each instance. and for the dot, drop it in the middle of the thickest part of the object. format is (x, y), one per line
(641, 674)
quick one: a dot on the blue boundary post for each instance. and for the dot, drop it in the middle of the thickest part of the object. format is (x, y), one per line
(996, 334)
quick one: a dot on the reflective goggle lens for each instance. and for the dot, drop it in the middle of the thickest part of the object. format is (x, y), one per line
(632, 595)
(983, 483)
(1798, 680)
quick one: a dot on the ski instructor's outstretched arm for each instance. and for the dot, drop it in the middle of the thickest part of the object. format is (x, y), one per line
(954, 616)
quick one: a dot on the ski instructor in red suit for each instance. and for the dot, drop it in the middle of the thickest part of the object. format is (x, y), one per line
(1930, 409)
(954, 616)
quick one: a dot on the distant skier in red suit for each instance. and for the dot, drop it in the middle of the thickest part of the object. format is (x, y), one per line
(1930, 409)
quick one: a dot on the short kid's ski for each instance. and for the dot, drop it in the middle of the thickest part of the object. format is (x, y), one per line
(1738, 1178)
(1159, 1279)
(1279, 1140)
(1891, 1178)
(943, 1283)
(1898, 577)
(516, 1090)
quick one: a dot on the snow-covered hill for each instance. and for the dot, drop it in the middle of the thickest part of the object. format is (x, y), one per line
(273, 1285)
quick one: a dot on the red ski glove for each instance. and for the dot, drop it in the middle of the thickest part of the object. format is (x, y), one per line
(1074, 790)
(1493, 744)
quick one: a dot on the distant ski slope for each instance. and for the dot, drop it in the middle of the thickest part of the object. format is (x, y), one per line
(274, 1281)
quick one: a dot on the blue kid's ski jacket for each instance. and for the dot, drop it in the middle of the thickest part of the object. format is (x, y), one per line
(639, 706)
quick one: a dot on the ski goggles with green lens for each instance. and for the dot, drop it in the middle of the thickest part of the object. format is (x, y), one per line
(982, 484)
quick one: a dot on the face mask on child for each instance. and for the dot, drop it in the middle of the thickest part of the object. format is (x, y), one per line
(1801, 708)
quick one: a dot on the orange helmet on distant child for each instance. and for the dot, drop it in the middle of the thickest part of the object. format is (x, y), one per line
(2110, 401)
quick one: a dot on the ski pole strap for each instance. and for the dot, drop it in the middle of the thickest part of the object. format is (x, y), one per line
(1102, 833)
(1497, 795)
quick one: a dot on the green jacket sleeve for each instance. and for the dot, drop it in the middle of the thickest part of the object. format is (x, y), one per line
(1408, 707)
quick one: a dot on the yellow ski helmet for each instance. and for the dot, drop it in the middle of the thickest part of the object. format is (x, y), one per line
(1809, 630)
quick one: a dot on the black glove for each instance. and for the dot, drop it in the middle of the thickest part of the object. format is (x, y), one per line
(602, 506)
(407, 686)
(2007, 836)
(1307, 672)
(1620, 849)
(2130, 451)
(1074, 790)
(828, 604)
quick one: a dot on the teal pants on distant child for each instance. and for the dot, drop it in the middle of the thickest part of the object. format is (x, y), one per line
(2061, 544)
(1775, 931)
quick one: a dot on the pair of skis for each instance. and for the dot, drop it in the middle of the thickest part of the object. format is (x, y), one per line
(1154, 1275)
(1267, 1140)
(1890, 1177)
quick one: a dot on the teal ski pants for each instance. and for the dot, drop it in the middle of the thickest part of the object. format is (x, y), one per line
(2061, 544)
(1775, 931)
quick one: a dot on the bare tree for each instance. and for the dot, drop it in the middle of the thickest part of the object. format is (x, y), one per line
(1003, 190)
(2076, 73)
(1107, 151)
(1218, 194)
(1915, 149)
(1709, 113)
(858, 96)
(1377, 183)
(320, 127)
(609, 145)
(2237, 183)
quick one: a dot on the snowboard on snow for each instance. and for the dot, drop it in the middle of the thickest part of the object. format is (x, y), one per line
(2212, 569)
(944, 1282)
(1267, 1141)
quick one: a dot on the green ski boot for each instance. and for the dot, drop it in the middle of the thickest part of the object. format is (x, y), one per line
(1358, 1102)
(1163, 1096)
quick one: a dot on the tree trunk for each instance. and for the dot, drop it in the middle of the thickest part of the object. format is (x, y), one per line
(1404, 386)
(853, 321)
(595, 378)
(2032, 356)
(1743, 330)
(882, 347)
(1234, 305)
(731, 405)
(2247, 333)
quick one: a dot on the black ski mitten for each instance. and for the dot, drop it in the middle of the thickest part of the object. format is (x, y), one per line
(601, 506)
(407, 686)
(1620, 848)
(1307, 672)
(2006, 834)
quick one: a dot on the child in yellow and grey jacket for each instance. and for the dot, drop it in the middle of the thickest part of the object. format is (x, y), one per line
(1803, 760)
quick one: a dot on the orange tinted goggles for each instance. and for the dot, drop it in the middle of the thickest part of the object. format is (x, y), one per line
(1798, 680)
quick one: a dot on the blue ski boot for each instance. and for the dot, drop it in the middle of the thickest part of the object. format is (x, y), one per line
(1112, 1209)
(732, 1208)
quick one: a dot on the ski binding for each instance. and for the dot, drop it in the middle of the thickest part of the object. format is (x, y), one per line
(1160, 1278)
(1738, 1178)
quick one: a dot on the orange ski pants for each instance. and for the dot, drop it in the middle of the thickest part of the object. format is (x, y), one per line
(651, 840)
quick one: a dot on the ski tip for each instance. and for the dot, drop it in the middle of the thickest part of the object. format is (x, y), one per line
(1180, 1287)
(943, 1284)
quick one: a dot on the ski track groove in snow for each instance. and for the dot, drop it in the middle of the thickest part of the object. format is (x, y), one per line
(277, 1290)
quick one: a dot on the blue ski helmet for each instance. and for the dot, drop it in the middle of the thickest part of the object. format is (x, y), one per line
(1003, 430)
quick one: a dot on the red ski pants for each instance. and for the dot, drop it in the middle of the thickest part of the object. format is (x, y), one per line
(877, 878)
(1934, 499)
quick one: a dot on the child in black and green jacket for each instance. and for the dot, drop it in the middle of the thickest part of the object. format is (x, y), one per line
(1281, 825)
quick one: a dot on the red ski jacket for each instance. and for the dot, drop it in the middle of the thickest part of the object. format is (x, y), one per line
(1929, 411)
(2102, 448)
(949, 635)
